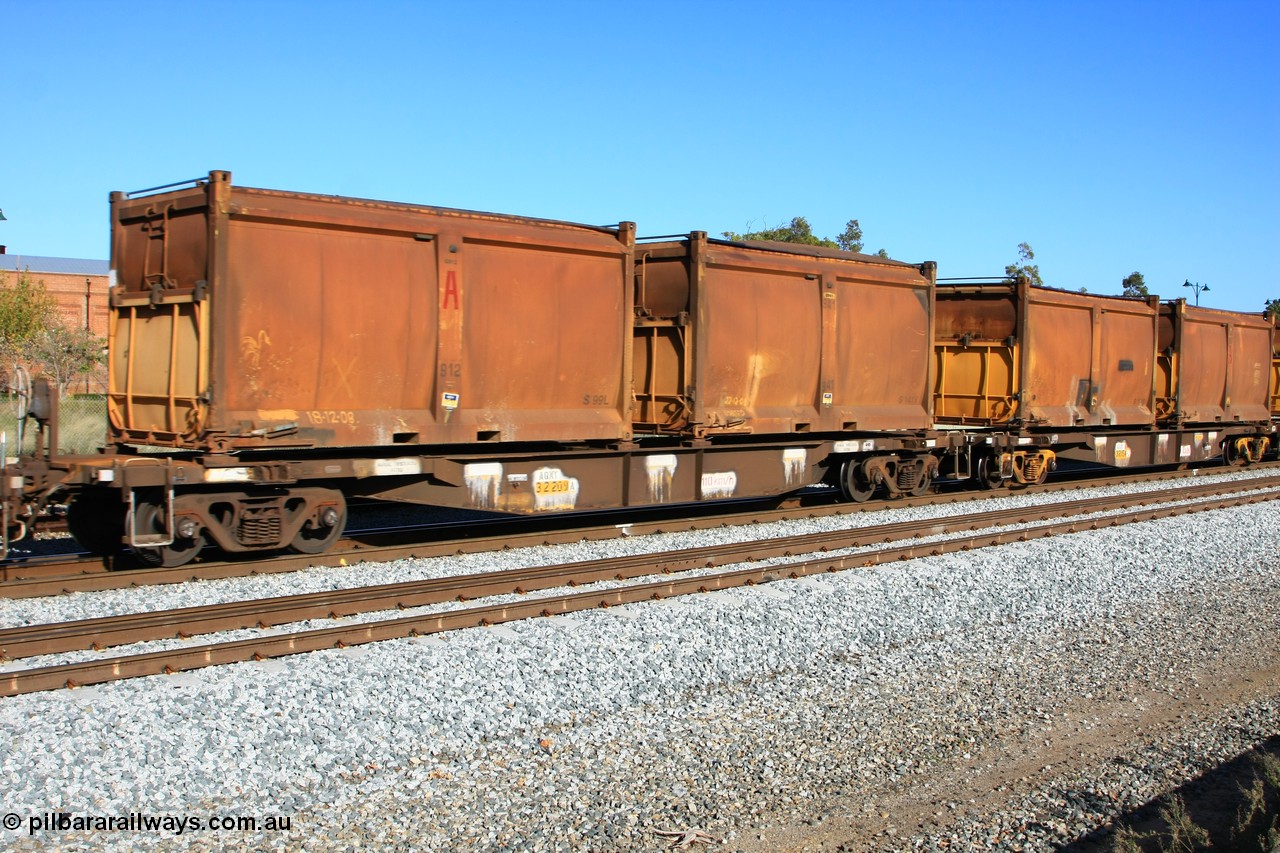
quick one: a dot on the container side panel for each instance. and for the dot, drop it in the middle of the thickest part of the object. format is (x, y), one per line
(883, 351)
(1202, 371)
(1250, 368)
(333, 330)
(1058, 385)
(545, 332)
(761, 350)
(1127, 368)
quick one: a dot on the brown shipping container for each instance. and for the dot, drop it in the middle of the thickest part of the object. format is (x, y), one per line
(1215, 366)
(738, 338)
(1052, 358)
(1275, 365)
(246, 317)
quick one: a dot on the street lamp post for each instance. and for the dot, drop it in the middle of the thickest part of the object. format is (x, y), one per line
(1197, 287)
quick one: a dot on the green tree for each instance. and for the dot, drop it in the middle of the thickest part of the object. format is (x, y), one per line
(32, 334)
(65, 355)
(1272, 308)
(26, 310)
(1024, 266)
(850, 239)
(798, 230)
(1135, 285)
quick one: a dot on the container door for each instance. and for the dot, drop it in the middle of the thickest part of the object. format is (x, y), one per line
(1127, 368)
(1059, 384)
(1202, 370)
(159, 318)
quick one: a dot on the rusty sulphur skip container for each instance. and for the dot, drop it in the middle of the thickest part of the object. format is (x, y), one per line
(1275, 364)
(1215, 366)
(775, 338)
(1011, 353)
(245, 317)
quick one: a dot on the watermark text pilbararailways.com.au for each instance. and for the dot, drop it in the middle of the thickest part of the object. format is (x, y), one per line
(171, 824)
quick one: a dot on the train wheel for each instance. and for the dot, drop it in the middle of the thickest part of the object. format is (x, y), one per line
(988, 473)
(854, 485)
(1232, 455)
(318, 534)
(151, 519)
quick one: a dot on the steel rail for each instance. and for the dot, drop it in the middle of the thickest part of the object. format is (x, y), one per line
(104, 632)
(33, 579)
(16, 682)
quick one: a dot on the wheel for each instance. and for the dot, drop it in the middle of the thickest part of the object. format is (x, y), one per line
(988, 473)
(96, 520)
(151, 518)
(1232, 456)
(854, 484)
(317, 535)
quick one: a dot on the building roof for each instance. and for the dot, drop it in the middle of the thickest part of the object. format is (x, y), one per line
(39, 263)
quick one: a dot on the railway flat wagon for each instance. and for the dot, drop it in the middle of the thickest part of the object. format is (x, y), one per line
(738, 343)
(273, 354)
(1214, 365)
(255, 318)
(1214, 377)
(1106, 379)
(291, 350)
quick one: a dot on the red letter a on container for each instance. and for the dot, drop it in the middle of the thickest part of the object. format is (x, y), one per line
(450, 290)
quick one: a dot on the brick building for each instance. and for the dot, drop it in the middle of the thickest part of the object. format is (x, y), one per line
(80, 287)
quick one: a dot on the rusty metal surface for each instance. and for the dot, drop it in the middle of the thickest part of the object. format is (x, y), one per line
(1275, 365)
(977, 377)
(248, 317)
(986, 313)
(1050, 358)
(1138, 447)
(1090, 359)
(1220, 365)
(778, 341)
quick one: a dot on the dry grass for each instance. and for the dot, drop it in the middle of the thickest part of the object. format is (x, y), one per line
(82, 425)
(1256, 826)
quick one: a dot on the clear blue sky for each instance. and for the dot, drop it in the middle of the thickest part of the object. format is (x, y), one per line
(1112, 137)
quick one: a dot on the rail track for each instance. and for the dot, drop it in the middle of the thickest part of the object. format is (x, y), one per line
(102, 633)
(33, 577)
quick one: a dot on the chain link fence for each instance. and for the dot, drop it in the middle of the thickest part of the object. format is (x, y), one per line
(82, 425)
